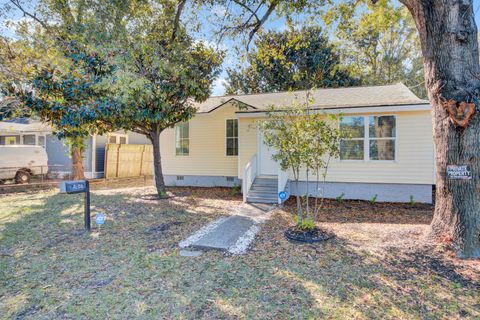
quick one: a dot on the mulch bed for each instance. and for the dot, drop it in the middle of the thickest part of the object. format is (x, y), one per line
(356, 211)
(307, 236)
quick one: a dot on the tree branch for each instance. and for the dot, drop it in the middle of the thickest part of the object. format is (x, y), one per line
(17, 4)
(176, 22)
(261, 22)
(253, 12)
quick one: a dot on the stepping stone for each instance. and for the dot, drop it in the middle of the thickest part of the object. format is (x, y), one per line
(233, 234)
(226, 234)
(189, 253)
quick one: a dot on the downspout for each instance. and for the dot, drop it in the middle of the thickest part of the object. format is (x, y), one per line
(94, 156)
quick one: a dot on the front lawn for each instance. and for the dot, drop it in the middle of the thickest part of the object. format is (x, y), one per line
(378, 266)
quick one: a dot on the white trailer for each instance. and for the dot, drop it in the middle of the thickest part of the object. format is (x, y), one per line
(21, 162)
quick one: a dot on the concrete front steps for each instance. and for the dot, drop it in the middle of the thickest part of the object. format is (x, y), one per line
(263, 190)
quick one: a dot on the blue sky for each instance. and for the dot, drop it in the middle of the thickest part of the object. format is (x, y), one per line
(232, 57)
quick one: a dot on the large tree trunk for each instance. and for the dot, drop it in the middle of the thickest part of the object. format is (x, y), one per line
(78, 172)
(157, 164)
(448, 36)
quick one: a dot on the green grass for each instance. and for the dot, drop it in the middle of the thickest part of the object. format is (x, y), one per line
(130, 269)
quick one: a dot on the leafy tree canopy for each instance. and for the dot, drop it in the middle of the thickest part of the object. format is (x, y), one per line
(289, 60)
(378, 42)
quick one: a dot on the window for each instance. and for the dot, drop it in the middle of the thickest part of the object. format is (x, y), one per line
(352, 147)
(41, 141)
(29, 139)
(381, 131)
(182, 141)
(368, 138)
(10, 140)
(232, 137)
(117, 138)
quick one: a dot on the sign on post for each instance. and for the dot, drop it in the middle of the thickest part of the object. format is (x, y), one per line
(71, 187)
(459, 172)
(79, 186)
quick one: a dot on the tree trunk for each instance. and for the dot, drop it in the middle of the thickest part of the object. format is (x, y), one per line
(157, 164)
(78, 172)
(448, 36)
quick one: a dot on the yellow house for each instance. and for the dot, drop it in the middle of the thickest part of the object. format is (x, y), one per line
(390, 157)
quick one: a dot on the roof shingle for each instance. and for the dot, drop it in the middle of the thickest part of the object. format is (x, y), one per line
(386, 95)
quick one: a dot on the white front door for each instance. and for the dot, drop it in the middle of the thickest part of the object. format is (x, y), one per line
(267, 166)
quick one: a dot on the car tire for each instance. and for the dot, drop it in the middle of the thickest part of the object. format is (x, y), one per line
(22, 177)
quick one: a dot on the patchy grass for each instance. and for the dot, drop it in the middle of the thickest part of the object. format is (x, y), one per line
(378, 266)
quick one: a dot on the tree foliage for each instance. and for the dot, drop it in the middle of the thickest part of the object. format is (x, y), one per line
(302, 139)
(160, 71)
(57, 96)
(378, 42)
(154, 70)
(289, 60)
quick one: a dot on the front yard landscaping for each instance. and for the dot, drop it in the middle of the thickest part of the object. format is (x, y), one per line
(379, 265)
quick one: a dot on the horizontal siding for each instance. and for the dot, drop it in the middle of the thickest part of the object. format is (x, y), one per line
(414, 163)
(207, 156)
(414, 159)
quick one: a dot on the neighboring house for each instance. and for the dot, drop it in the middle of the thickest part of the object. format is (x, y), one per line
(391, 157)
(31, 132)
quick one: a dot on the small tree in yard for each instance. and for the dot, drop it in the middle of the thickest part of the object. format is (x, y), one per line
(59, 94)
(303, 139)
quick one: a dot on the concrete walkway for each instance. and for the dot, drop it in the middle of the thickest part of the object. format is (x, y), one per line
(233, 234)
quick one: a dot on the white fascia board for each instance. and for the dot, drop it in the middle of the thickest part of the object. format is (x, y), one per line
(397, 108)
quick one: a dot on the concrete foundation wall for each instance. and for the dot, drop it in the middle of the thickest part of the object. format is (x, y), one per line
(385, 192)
(201, 181)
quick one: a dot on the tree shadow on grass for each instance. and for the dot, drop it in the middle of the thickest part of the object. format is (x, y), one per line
(50, 264)
(130, 269)
(337, 279)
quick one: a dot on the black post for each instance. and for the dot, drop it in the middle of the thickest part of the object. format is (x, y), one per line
(87, 205)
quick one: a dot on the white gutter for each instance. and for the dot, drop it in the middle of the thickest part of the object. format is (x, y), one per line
(353, 110)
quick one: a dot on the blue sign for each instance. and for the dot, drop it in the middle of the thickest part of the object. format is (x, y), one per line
(282, 195)
(100, 219)
(73, 186)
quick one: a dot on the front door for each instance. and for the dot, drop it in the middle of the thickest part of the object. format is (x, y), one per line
(267, 166)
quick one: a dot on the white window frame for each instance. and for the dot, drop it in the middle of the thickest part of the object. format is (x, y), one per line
(367, 138)
(365, 147)
(117, 137)
(367, 134)
(237, 137)
(35, 139)
(175, 139)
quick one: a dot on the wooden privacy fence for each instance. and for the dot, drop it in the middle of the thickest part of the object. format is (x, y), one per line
(128, 160)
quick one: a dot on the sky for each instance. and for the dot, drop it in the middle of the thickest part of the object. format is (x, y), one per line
(279, 24)
(232, 56)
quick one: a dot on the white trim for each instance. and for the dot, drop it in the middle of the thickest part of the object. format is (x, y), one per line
(225, 138)
(239, 169)
(366, 139)
(175, 139)
(354, 110)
